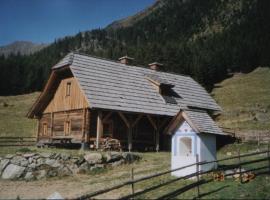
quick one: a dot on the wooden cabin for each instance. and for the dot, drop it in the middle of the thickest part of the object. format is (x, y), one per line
(88, 98)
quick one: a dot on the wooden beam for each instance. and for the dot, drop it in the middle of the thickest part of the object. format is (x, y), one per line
(124, 119)
(52, 115)
(152, 121)
(38, 127)
(87, 126)
(107, 117)
(128, 124)
(83, 126)
(99, 128)
(137, 120)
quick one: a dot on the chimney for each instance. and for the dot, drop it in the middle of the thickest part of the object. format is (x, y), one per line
(155, 66)
(126, 60)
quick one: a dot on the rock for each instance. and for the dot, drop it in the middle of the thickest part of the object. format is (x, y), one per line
(83, 168)
(19, 160)
(113, 156)
(64, 171)
(29, 176)
(52, 162)
(73, 168)
(3, 164)
(55, 195)
(41, 174)
(9, 156)
(13, 172)
(93, 158)
(40, 161)
(229, 153)
(117, 163)
(46, 155)
(28, 155)
(52, 173)
(65, 156)
(32, 165)
(130, 157)
(97, 167)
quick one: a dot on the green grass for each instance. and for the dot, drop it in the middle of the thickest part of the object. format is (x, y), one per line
(13, 120)
(245, 99)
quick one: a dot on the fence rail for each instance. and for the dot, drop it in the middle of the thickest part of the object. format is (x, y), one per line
(7, 141)
(239, 164)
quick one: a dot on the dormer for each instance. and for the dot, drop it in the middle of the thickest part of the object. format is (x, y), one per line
(164, 88)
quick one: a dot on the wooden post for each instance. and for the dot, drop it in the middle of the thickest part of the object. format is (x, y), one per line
(87, 125)
(240, 168)
(38, 127)
(268, 155)
(99, 128)
(129, 138)
(157, 140)
(52, 115)
(197, 175)
(132, 178)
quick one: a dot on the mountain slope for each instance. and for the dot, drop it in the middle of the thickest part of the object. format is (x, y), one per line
(245, 99)
(22, 47)
(204, 39)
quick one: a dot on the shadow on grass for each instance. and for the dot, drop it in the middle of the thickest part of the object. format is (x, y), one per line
(213, 191)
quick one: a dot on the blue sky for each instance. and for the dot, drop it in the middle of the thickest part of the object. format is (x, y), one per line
(42, 21)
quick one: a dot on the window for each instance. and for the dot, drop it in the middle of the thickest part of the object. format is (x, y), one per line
(44, 129)
(67, 127)
(108, 129)
(68, 87)
(185, 146)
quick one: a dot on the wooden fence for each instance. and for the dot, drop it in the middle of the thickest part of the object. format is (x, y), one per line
(17, 141)
(200, 179)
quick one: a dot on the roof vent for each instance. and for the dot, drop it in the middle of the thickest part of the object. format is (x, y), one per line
(126, 60)
(155, 66)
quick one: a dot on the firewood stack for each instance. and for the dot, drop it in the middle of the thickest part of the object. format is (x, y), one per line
(109, 144)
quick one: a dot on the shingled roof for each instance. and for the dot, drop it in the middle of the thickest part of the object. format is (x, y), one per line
(111, 85)
(199, 120)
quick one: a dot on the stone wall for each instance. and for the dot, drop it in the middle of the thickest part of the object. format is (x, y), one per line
(35, 166)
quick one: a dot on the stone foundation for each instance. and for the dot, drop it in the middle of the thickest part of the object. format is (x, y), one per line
(35, 166)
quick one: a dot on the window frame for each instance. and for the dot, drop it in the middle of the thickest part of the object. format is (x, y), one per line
(67, 127)
(68, 89)
(44, 129)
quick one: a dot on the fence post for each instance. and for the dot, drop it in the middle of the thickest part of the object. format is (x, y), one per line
(268, 155)
(197, 175)
(240, 168)
(132, 178)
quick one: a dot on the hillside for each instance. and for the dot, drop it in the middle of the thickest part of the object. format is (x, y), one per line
(245, 99)
(22, 47)
(204, 39)
(13, 110)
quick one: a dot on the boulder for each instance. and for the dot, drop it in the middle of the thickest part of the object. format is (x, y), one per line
(64, 171)
(9, 156)
(97, 167)
(46, 155)
(13, 172)
(117, 163)
(73, 168)
(113, 156)
(65, 156)
(52, 162)
(130, 157)
(93, 158)
(28, 155)
(19, 160)
(83, 168)
(40, 174)
(3, 164)
(29, 176)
